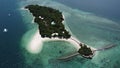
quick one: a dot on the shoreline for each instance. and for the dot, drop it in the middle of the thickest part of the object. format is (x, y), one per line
(33, 20)
(28, 11)
(36, 43)
(22, 8)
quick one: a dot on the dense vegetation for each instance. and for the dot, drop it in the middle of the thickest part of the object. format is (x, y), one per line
(85, 51)
(49, 21)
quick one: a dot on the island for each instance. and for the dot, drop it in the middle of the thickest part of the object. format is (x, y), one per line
(85, 51)
(50, 25)
(49, 21)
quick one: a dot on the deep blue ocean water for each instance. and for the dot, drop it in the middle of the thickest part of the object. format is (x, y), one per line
(10, 55)
(95, 34)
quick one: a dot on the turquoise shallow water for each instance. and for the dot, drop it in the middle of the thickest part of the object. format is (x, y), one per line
(87, 27)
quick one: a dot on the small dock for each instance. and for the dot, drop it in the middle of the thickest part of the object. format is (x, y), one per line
(76, 53)
(106, 47)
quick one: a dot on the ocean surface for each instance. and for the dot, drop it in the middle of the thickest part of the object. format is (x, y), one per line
(97, 29)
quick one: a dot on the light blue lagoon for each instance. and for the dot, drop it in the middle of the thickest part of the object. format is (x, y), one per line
(85, 26)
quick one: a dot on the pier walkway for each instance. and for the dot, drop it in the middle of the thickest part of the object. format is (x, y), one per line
(76, 53)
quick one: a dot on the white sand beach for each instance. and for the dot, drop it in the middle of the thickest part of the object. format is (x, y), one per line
(36, 43)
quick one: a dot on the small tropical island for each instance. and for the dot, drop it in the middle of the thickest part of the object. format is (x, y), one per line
(50, 25)
(49, 21)
(85, 51)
